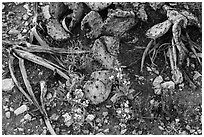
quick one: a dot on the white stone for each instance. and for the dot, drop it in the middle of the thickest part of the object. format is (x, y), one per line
(7, 84)
(105, 114)
(8, 114)
(157, 81)
(45, 11)
(27, 117)
(160, 127)
(49, 96)
(157, 91)
(21, 109)
(123, 131)
(25, 17)
(67, 119)
(168, 85)
(90, 117)
(13, 31)
(196, 75)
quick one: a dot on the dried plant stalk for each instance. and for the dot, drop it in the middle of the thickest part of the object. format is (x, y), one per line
(145, 53)
(27, 84)
(40, 61)
(11, 69)
(42, 96)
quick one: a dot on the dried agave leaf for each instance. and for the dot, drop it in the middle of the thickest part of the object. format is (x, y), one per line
(51, 50)
(158, 30)
(42, 96)
(145, 53)
(27, 83)
(11, 69)
(39, 39)
(40, 61)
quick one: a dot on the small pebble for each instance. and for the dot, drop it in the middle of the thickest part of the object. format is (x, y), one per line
(44, 132)
(8, 114)
(11, 109)
(157, 81)
(106, 130)
(105, 113)
(123, 131)
(160, 127)
(157, 91)
(21, 109)
(27, 117)
(26, 23)
(100, 133)
(152, 101)
(24, 31)
(90, 117)
(54, 117)
(25, 17)
(13, 32)
(49, 96)
(183, 133)
(7, 84)
(188, 127)
(5, 108)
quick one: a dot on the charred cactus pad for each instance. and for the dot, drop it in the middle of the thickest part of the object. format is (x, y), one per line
(118, 22)
(98, 88)
(92, 24)
(104, 50)
(57, 9)
(75, 17)
(96, 6)
(55, 30)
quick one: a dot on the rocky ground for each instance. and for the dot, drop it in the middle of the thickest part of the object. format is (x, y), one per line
(107, 92)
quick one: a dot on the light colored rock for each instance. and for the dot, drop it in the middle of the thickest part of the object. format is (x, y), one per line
(49, 95)
(13, 32)
(168, 85)
(90, 117)
(100, 133)
(45, 11)
(7, 84)
(25, 17)
(105, 113)
(8, 114)
(196, 75)
(68, 120)
(21, 110)
(157, 81)
(54, 117)
(123, 131)
(157, 91)
(27, 117)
